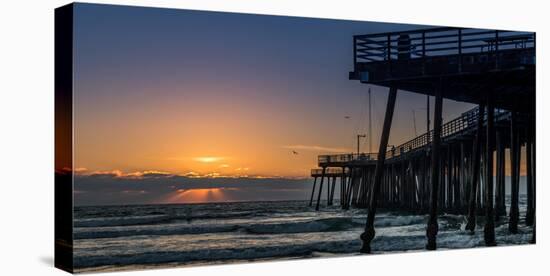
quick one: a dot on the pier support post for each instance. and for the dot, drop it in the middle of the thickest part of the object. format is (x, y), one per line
(489, 230)
(369, 233)
(534, 236)
(342, 186)
(328, 190)
(450, 176)
(457, 182)
(362, 188)
(462, 178)
(500, 195)
(426, 177)
(514, 164)
(320, 188)
(331, 197)
(432, 228)
(351, 180)
(476, 155)
(534, 182)
(529, 216)
(355, 190)
(312, 192)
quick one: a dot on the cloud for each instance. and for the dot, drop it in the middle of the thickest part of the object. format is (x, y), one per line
(241, 173)
(148, 174)
(315, 148)
(120, 174)
(191, 174)
(113, 173)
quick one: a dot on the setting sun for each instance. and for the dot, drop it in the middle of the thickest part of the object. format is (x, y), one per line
(197, 195)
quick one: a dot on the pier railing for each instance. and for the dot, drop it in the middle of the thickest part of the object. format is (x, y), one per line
(342, 158)
(329, 171)
(467, 120)
(418, 44)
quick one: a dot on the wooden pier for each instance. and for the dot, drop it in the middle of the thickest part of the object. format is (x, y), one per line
(450, 168)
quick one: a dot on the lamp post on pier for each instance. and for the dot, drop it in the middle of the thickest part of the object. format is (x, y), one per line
(359, 136)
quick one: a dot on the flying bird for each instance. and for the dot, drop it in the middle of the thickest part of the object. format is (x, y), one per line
(295, 152)
(347, 117)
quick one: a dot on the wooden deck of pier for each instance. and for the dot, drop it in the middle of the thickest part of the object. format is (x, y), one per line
(450, 168)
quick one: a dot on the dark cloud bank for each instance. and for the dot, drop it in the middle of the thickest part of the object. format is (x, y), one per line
(112, 189)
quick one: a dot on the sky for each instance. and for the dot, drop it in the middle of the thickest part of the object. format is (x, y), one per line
(179, 106)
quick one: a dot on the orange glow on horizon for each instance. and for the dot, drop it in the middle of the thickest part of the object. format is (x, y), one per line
(231, 131)
(198, 195)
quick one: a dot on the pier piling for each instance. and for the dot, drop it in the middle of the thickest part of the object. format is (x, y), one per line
(514, 165)
(475, 171)
(529, 216)
(369, 233)
(313, 191)
(489, 230)
(320, 188)
(500, 190)
(432, 228)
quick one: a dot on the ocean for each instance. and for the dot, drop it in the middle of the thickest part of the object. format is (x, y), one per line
(110, 238)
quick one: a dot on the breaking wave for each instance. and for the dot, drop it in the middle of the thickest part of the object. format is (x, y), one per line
(319, 225)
